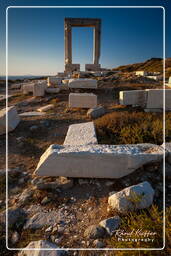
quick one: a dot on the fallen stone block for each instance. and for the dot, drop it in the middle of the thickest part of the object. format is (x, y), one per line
(16, 86)
(45, 108)
(155, 99)
(38, 247)
(96, 161)
(135, 97)
(81, 134)
(27, 88)
(53, 80)
(13, 119)
(82, 100)
(32, 113)
(39, 89)
(132, 198)
(52, 90)
(82, 83)
(96, 112)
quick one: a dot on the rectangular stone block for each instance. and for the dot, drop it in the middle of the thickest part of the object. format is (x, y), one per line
(52, 90)
(82, 83)
(92, 67)
(39, 89)
(45, 108)
(96, 161)
(13, 119)
(31, 113)
(82, 100)
(135, 97)
(81, 134)
(27, 88)
(155, 99)
(53, 80)
(72, 67)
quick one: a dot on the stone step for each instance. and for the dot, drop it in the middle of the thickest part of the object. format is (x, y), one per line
(96, 161)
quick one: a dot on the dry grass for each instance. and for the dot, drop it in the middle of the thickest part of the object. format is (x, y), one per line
(129, 128)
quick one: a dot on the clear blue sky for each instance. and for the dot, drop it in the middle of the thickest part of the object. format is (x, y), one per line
(36, 36)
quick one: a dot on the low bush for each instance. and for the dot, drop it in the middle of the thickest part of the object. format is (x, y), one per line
(129, 128)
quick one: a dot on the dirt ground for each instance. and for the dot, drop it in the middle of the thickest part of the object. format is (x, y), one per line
(87, 202)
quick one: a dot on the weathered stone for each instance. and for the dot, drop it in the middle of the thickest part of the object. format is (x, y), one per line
(45, 108)
(53, 80)
(81, 134)
(110, 224)
(98, 244)
(39, 89)
(82, 83)
(13, 119)
(96, 112)
(41, 219)
(82, 100)
(155, 99)
(39, 246)
(61, 183)
(27, 88)
(94, 231)
(52, 90)
(135, 197)
(135, 97)
(32, 113)
(14, 215)
(96, 161)
(16, 86)
(72, 22)
(72, 67)
(92, 67)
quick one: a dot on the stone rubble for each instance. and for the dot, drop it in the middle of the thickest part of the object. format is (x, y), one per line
(39, 245)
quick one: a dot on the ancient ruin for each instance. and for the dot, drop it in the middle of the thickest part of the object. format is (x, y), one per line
(82, 22)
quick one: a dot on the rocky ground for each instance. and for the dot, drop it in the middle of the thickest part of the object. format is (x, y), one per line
(62, 211)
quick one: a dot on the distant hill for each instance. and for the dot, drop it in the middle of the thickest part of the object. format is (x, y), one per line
(151, 65)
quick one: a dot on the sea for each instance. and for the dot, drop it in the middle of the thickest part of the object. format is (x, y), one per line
(20, 77)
